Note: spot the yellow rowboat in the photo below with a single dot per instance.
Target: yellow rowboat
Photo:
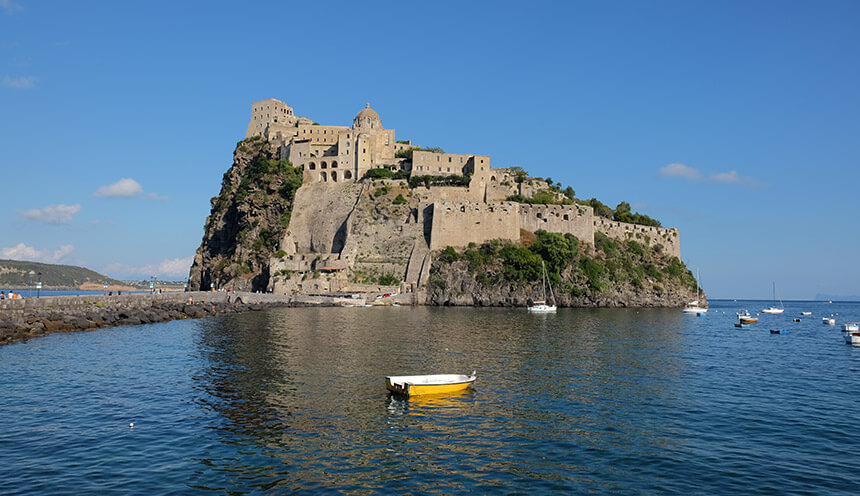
(415, 385)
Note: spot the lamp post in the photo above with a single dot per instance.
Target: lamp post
(39, 286)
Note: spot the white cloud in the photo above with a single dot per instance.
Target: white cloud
(726, 177)
(10, 6)
(24, 252)
(20, 83)
(156, 196)
(681, 170)
(123, 187)
(53, 214)
(693, 174)
(175, 268)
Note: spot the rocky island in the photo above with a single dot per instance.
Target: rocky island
(324, 209)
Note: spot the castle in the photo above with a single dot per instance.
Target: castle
(329, 231)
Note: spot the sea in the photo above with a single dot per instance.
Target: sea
(293, 401)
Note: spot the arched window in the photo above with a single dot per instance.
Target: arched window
(347, 175)
(492, 178)
(312, 166)
(334, 176)
(334, 165)
(322, 165)
(323, 176)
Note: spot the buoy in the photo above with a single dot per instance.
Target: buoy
(131, 425)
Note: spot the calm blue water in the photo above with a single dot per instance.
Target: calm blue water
(293, 401)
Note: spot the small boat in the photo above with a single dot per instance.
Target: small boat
(796, 319)
(828, 321)
(742, 325)
(744, 316)
(852, 338)
(541, 306)
(773, 308)
(693, 306)
(851, 327)
(414, 385)
(779, 331)
(805, 313)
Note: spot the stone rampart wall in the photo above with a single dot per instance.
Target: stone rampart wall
(459, 223)
(652, 236)
(565, 219)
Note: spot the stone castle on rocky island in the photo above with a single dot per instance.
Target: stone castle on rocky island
(333, 231)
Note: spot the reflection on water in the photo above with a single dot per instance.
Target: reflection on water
(294, 400)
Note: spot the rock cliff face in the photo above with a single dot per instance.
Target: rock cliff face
(611, 274)
(247, 219)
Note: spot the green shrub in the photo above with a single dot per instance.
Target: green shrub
(449, 255)
(399, 200)
(388, 280)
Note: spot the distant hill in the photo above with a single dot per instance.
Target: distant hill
(21, 274)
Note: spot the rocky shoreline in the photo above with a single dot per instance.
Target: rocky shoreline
(21, 320)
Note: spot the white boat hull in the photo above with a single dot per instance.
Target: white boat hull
(773, 310)
(696, 310)
(542, 309)
(850, 327)
(852, 338)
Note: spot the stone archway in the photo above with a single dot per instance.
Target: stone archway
(323, 176)
(322, 165)
(334, 176)
(347, 175)
(334, 164)
(312, 166)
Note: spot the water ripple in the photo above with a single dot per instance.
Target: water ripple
(292, 400)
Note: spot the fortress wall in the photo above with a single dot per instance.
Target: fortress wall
(458, 224)
(647, 235)
(449, 194)
(444, 164)
(565, 219)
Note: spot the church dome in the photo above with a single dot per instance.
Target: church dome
(367, 119)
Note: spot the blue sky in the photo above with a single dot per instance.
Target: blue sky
(736, 122)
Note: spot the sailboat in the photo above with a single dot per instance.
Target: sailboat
(693, 306)
(773, 308)
(541, 306)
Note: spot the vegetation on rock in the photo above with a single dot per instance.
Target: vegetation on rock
(247, 219)
(610, 272)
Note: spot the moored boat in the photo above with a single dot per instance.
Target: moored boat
(779, 331)
(851, 327)
(742, 325)
(773, 309)
(745, 317)
(852, 338)
(694, 306)
(805, 313)
(414, 385)
(541, 306)
(828, 321)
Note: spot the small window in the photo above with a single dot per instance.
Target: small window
(449, 160)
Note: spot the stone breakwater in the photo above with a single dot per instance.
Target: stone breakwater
(34, 317)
